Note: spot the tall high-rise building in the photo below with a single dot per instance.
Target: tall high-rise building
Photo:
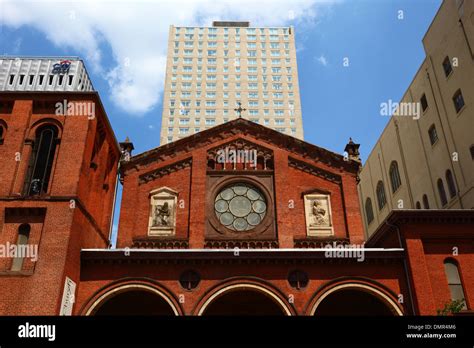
(424, 159)
(212, 71)
(59, 74)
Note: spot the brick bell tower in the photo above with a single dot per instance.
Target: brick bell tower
(57, 187)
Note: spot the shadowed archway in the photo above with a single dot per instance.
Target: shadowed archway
(353, 302)
(134, 302)
(244, 302)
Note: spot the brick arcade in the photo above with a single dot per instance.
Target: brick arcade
(201, 236)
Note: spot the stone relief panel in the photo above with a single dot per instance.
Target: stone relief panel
(318, 215)
(162, 220)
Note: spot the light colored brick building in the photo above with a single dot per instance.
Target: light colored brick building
(425, 159)
(210, 70)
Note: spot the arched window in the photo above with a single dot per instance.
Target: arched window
(451, 184)
(418, 205)
(426, 204)
(381, 199)
(394, 176)
(369, 213)
(23, 236)
(442, 193)
(454, 281)
(41, 160)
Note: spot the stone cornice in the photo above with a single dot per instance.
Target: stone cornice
(397, 218)
(162, 171)
(314, 242)
(230, 256)
(54, 96)
(159, 243)
(44, 199)
(241, 244)
(308, 168)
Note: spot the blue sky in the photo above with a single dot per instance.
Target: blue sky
(338, 102)
(384, 53)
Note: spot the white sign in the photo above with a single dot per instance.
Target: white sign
(68, 297)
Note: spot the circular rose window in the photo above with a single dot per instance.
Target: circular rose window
(240, 207)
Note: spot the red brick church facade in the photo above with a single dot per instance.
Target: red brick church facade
(202, 232)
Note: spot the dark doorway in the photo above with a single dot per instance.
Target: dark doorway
(352, 302)
(136, 302)
(244, 302)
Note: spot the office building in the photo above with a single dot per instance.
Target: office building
(210, 70)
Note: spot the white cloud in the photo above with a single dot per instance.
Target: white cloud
(137, 33)
(322, 60)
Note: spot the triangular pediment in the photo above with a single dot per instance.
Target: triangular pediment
(163, 190)
(248, 129)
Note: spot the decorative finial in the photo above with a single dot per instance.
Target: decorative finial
(352, 150)
(126, 148)
(240, 109)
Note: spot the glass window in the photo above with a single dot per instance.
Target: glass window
(451, 184)
(433, 134)
(423, 102)
(442, 193)
(447, 67)
(394, 176)
(41, 163)
(454, 281)
(458, 100)
(369, 213)
(240, 207)
(381, 198)
(426, 204)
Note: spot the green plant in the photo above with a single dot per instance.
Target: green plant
(452, 307)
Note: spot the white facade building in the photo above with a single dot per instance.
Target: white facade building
(44, 74)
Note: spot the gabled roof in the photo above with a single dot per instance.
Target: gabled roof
(245, 127)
